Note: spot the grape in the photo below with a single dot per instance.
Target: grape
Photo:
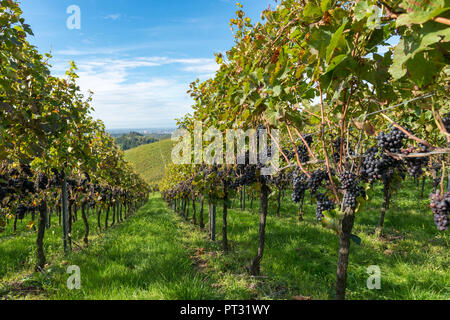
(21, 210)
(16, 183)
(351, 195)
(300, 185)
(376, 167)
(245, 173)
(302, 152)
(370, 162)
(245, 176)
(301, 149)
(415, 166)
(279, 179)
(41, 181)
(392, 141)
(2, 193)
(337, 144)
(56, 180)
(308, 138)
(28, 186)
(348, 180)
(446, 121)
(26, 169)
(440, 205)
(316, 179)
(21, 185)
(323, 204)
(337, 150)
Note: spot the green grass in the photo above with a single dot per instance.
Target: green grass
(300, 257)
(18, 252)
(157, 255)
(142, 258)
(151, 160)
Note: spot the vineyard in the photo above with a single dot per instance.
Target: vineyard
(350, 116)
(57, 165)
(356, 92)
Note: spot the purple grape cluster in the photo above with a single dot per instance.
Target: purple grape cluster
(446, 121)
(377, 167)
(21, 210)
(348, 180)
(316, 179)
(41, 182)
(415, 166)
(300, 185)
(323, 204)
(21, 185)
(351, 196)
(302, 150)
(440, 205)
(392, 141)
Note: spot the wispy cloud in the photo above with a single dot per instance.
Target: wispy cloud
(122, 101)
(114, 17)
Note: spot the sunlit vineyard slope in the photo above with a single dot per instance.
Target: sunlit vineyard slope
(150, 160)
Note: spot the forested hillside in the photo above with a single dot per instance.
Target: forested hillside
(133, 140)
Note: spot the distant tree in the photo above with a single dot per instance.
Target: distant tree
(133, 140)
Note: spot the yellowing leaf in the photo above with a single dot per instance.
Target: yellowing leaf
(30, 225)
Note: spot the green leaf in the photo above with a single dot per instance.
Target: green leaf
(361, 9)
(331, 221)
(27, 29)
(419, 12)
(246, 114)
(336, 61)
(356, 239)
(277, 91)
(361, 204)
(312, 10)
(335, 39)
(325, 5)
(413, 47)
(260, 74)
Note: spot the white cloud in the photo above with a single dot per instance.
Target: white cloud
(114, 17)
(121, 101)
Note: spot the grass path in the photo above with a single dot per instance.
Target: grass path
(143, 258)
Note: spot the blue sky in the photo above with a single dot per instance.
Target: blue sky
(138, 56)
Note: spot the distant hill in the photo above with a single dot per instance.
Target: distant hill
(146, 132)
(135, 139)
(150, 160)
